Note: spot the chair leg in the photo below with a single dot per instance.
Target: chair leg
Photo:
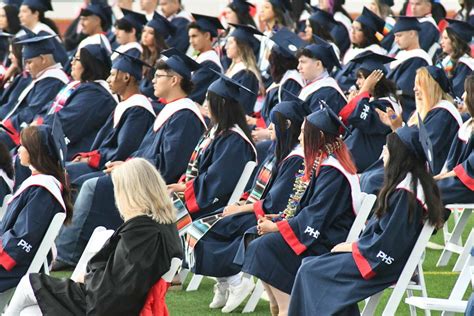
(371, 304)
(465, 253)
(455, 237)
(194, 283)
(254, 298)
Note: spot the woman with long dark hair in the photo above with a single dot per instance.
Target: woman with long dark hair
(153, 41)
(272, 187)
(355, 271)
(34, 204)
(9, 23)
(238, 12)
(375, 92)
(456, 183)
(221, 154)
(456, 58)
(318, 215)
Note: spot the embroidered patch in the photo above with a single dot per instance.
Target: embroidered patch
(312, 232)
(385, 258)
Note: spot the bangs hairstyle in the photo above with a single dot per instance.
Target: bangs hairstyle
(139, 188)
(93, 69)
(44, 163)
(401, 161)
(279, 64)
(469, 88)
(314, 148)
(186, 85)
(126, 26)
(432, 92)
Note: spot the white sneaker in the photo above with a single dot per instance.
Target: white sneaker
(237, 294)
(221, 292)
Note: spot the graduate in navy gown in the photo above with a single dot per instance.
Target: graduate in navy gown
(314, 221)
(202, 32)
(88, 99)
(154, 34)
(333, 284)
(215, 251)
(168, 145)
(221, 154)
(439, 115)
(456, 58)
(456, 181)
(315, 62)
(33, 206)
(128, 32)
(375, 92)
(125, 128)
(243, 68)
(428, 25)
(408, 60)
(363, 38)
(48, 78)
(174, 12)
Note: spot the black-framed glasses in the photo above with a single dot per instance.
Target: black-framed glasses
(159, 76)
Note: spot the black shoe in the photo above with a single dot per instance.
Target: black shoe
(61, 266)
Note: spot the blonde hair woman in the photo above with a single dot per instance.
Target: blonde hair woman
(135, 257)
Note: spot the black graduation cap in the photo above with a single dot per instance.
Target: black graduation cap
(13, 3)
(100, 9)
(371, 61)
(229, 88)
(406, 23)
(462, 29)
(426, 142)
(323, 18)
(180, 62)
(440, 77)
(390, 3)
(36, 45)
(245, 33)
(40, 5)
(129, 63)
(161, 25)
(241, 6)
(53, 138)
(371, 20)
(99, 52)
(287, 42)
(410, 136)
(323, 51)
(208, 23)
(325, 121)
(137, 20)
(284, 5)
(294, 110)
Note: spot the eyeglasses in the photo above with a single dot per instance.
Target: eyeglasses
(159, 76)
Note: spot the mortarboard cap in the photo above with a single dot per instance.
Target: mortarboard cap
(406, 23)
(52, 137)
(241, 6)
(161, 25)
(40, 5)
(129, 63)
(410, 136)
(137, 20)
(389, 3)
(323, 51)
(100, 9)
(284, 5)
(99, 52)
(426, 142)
(33, 46)
(326, 120)
(440, 77)
(371, 20)
(180, 63)
(323, 18)
(293, 110)
(228, 88)
(245, 33)
(208, 23)
(371, 61)
(13, 3)
(287, 42)
(462, 29)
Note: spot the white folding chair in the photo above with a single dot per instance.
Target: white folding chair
(236, 194)
(40, 258)
(3, 208)
(99, 237)
(367, 202)
(455, 302)
(403, 283)
(453, 244)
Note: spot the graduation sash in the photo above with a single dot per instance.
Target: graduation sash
(261, 182)
(448, 106)
(318, 84)
(173, 107)
(354, 52)
(134, 100)
(446, 64)
(406, 185)
(192, 169)
(96, 39)
(62, 96)
(404, 55)
(465, 131)
(468, 61)
(293, 75)
(210, 55)
(126, 47)
(53, 72)
(48, 182)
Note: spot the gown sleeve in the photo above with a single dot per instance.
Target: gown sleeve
(457, 80)
(465, 172)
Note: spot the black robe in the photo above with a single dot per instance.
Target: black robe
(118, 277)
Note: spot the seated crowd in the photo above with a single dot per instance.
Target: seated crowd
(132, 118)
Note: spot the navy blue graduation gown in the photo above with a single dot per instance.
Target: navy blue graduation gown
(146, 87)
(35, 103)
(220, 166)
(202, 79)
(90, 104)
(404, 77)
(215, 251)
(460, 188)
(341, 37)
(22, 229)
(250, 81)
(429, 34)
(368, 132)
(376, 262)
(461, 71)
(180, 39)
(11, 93)
(328, 92)
(322, 220)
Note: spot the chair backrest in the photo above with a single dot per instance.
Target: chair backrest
(96, 242)
(175, 264)
(47, 243)
(4, 206)
(244, 179)
(368, 201)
